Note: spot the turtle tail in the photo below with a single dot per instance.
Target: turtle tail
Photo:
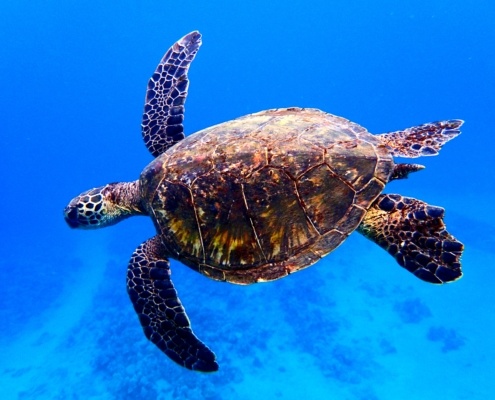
(414, 233)
(422, 140)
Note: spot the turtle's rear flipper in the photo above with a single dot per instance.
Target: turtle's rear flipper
(422, 140)
(160, 311)
(414, 233)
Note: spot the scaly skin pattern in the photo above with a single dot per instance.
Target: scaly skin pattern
(413, 232)
(262, 196)
(166, 94)
(104, 205)
(160, 311)
(421, 140)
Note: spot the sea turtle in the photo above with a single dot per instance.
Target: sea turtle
(260, 197)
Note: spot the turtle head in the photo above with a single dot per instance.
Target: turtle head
(104, 206)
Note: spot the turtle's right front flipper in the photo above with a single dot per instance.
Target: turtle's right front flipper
(414, 233)
(160, 311)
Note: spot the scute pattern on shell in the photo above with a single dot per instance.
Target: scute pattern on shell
(267, 194)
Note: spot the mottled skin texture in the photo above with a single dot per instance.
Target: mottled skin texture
(260, 197)
(166, 94)
(421, 140)
(413, 232)
(105, 205)
(161, 314)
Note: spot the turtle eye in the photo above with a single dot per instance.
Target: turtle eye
(71, 215)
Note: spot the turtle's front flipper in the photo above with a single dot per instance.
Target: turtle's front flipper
(414, 233)
(422, 140)
(167, 90)
(160, 311)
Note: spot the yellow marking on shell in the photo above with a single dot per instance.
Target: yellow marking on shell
(276, 245)
(183, 236)
(225, 243)
(297, 237)
(197, 248)
(294, 235)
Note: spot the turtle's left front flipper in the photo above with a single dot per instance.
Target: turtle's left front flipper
(160, 311)
(166, 94)
(414, 233)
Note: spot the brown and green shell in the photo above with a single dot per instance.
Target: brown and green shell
(265, 195)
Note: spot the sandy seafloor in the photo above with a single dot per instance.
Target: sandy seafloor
(355, 325)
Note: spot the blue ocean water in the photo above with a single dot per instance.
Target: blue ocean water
(353, 326)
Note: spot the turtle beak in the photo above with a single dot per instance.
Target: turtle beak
(70, 214)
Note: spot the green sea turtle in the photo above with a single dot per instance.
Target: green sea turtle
(260, 197)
